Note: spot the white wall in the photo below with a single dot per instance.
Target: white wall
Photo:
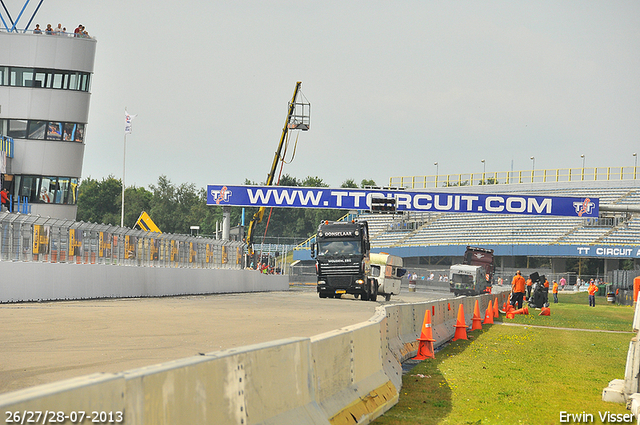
(47, 282)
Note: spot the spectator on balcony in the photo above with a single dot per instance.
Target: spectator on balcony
(58, 30)
(48, 30)
(37, 29)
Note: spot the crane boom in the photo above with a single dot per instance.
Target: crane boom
(289, 124)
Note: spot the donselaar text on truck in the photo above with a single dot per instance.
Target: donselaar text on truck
(345, 265)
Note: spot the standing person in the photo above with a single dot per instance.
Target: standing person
(555, 292)
(546, 292)
(563, 282)
(529, 285)
(592, 290)
(517, 290)
(4, 199)
(58, 30)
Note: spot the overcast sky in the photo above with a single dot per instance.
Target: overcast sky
(394, 86)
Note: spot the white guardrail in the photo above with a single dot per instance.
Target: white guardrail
(627, 390)
(348, 376)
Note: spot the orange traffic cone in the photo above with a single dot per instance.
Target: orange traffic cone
(488, 315)
(546, 311)
(496, 312)
(461, 327)
(510, 308)
(510, 315)
(523, 310)
(425, 347)
(476, 319)
(504, 306)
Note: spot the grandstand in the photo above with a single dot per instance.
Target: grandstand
(613, 236)
(432, 240)
(426, 229)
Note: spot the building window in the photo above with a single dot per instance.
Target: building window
(41, 130)
(54, 131)
(37, 130)
(27, 187)
(44, 78)
(17, 129)
(47, 190)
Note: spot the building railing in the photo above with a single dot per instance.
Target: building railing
(517, 177)
(6, 145)
(44, 32)
(50, 240)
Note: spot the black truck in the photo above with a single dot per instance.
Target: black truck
(342, 252)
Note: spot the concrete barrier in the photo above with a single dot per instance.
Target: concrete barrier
(35, 281)
(627, 390)
(348, 376)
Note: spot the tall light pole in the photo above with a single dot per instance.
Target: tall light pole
(484, 167)
(635, 164)
(583, 158)
(533, 159)
(436, 164)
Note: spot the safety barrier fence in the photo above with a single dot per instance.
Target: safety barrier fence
(517, 177)
(32, 238)
(627, 390)
(350, 375)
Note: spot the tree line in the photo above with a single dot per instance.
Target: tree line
(175, 208)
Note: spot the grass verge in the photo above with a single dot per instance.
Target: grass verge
(522, 374)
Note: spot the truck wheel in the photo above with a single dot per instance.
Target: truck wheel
(365, 292)
(322, 294)
(374, 291)
(356, 296)
(387, 297)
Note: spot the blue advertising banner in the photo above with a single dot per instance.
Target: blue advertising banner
(360, 199)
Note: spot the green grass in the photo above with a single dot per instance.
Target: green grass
(521, 374)
(573, 311)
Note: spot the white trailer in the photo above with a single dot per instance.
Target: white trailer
(387, 271)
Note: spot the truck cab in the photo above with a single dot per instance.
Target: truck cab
(475, 275)
(465, 279)
(342, 251)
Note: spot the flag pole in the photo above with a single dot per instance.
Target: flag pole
(124, 157)
(127, 129)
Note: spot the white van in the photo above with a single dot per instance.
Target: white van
(387, 271)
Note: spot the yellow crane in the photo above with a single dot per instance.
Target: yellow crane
(298, 114)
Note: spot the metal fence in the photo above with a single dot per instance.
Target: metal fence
(52, 240)
(517, 177)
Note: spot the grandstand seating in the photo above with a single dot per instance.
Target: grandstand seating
(501, 229)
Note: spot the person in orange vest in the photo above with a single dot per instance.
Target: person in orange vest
(529, 285)
(555, 292)
(517, 290)
(546, 292)
(592, 289)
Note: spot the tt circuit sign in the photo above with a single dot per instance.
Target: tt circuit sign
(356, 199)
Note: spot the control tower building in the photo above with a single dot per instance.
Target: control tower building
(45, 89)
